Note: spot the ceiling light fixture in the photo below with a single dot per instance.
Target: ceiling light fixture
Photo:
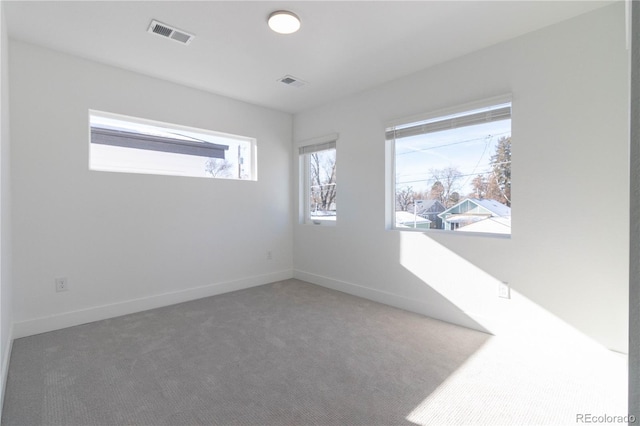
(284, 22)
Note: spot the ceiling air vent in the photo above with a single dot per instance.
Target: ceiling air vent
(170, 32)
(292, 81)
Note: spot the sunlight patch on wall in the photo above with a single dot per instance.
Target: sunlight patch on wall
(475, 292)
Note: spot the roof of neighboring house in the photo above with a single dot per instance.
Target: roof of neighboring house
(493, 206)
(482, 207)
(408, 217)
(493, 225)
(427, 204)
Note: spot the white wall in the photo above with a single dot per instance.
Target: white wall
(128, 242)
(6, 308)
(567, 260)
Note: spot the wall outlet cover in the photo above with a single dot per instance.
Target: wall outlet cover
(504, 291)
(62, 284)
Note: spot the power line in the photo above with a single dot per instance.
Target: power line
(486, 145)
(451, 144)
(435, 180)
(462, 175)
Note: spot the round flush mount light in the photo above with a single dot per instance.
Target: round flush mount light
(284, 22)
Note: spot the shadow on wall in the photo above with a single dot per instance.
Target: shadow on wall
(474, 293)
(368, 262)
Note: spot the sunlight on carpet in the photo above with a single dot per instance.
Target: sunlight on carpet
(512, 380)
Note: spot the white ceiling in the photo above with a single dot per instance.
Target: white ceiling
(342, 47)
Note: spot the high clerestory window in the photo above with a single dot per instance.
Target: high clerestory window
(452, 171)
(134, 145)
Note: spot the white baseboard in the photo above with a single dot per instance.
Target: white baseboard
(6, 356)
(432, 310)
(97, 313)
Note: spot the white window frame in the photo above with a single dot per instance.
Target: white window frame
(171, 127)
(390, 163)
(303, 150)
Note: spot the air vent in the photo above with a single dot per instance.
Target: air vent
(292, 81)
(170, 32)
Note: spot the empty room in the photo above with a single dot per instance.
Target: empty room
(319, 213)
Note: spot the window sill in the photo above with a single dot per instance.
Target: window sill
(456, 234)
(319, 223)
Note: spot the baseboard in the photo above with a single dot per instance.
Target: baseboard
(431, 310)
(6, 357)
(97, 313)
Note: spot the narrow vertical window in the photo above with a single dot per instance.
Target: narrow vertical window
(318, 180)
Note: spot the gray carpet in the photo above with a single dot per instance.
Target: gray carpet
(287, 353)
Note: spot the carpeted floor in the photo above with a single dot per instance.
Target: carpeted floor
(288, 353)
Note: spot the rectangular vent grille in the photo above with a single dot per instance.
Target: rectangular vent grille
(162, 30)
(170, 32)
(292, 81)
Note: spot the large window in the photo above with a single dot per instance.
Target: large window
(318, 180)
(452, 171)
(126, 144)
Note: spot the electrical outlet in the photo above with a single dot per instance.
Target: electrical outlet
(269, 255)
(62, 284)
(504, 291)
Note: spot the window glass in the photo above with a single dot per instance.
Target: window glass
(318, 183)
(322, 185)
(126, 144)
(453, 172)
